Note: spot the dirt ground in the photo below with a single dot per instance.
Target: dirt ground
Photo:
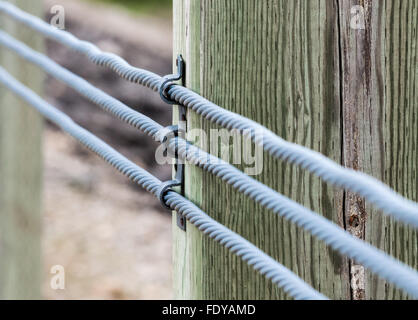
(112, 238)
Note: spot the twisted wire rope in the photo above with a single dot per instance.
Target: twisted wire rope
(372, 258)
(264, 264)
(368, 187)
(377, 261)
(110, 60)
(95, 95)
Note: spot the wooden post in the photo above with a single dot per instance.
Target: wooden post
(379, 43)
(20, 172)
(309, 71)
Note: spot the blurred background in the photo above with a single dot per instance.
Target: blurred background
(112, 238)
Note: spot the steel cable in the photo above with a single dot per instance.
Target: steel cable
(337, 238)
(110, 60)
(95, 95)
(370, 188)
(271, 269)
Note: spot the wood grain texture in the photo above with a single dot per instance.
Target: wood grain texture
(274, 62)
(20, 173)
(187, 246)
(379, 91)
(300, 69)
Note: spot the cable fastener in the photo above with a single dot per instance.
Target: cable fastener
(179, 177)
(169, 79)
(165, 187)
(167, 82)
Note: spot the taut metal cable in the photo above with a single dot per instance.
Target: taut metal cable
(271, 269)
(370, 188)
(97, 96)
(372, 258)
(337, 238)
(116, 63)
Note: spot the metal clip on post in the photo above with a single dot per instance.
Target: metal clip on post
(169, 79)
(167, 82)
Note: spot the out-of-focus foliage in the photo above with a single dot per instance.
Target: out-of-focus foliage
(154, 7)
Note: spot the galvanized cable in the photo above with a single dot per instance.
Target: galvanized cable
(370, 188)
(271, 269)
(377, 261)
(370, 257)
(267, 266)
(95, 95)
(112, 61)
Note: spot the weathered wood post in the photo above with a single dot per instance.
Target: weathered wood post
(379, 65)
(20, 172)
(339, 77)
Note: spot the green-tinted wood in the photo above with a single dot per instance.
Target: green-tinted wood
(302, 70)
(187, 246)
(275, 62)
(20, 172)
